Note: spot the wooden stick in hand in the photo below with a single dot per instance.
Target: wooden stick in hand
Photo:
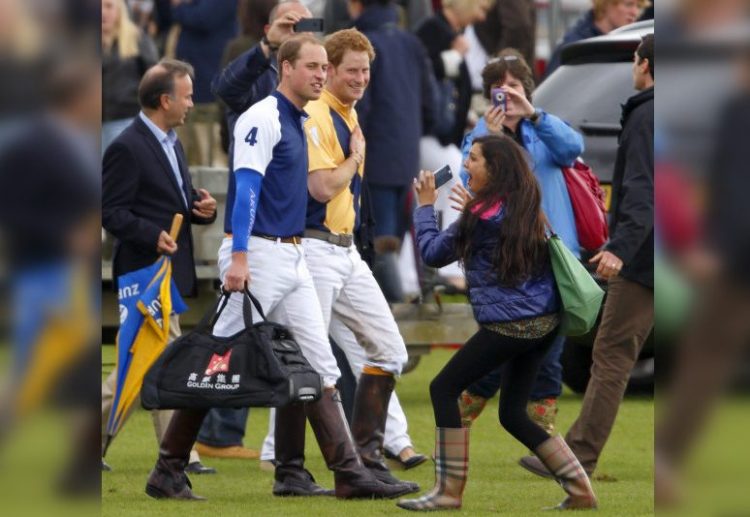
(174, 231)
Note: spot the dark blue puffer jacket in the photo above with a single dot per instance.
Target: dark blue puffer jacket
(492, 302)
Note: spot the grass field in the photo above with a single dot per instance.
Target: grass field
(497, 485)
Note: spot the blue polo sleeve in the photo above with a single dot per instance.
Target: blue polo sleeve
(248, 183)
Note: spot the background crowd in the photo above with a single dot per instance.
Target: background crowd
(459, 38)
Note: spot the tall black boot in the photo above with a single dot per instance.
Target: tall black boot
(368, 425)
(291, 477)
(352, 479)
(168, 479)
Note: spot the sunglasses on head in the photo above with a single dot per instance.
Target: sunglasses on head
(502, 58)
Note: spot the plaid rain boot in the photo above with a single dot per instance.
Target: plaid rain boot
(567, 470)
(470, 406)
(451, 467)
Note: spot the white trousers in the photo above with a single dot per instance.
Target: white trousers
(396, 428)
(281, 281)
(347, 290)
(360, 321)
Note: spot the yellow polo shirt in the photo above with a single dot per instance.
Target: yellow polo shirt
(329, 131)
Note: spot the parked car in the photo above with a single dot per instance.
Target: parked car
(587, 91)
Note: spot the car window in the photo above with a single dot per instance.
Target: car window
(587, 93)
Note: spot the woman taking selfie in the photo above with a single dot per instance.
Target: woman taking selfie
(500, 240)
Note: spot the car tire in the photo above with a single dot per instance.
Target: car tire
(576, 366)
(576, 370)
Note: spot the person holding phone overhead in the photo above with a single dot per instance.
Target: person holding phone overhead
(550, 144)
(501, 241)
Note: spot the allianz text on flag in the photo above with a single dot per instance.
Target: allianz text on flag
(147, 298)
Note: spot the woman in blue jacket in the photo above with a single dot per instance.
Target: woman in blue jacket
(500, 240)
(550, 144)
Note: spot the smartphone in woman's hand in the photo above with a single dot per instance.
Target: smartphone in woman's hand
(443, 176)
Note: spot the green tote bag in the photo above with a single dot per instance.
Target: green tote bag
(581, 296)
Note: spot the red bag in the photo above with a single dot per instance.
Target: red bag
(588, 200)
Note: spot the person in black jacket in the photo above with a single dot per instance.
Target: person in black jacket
(627, 263)
(145, 182)
(393, 115)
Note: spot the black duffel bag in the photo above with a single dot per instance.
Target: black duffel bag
(260, 366)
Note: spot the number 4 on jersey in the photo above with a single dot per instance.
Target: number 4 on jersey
(252, 136)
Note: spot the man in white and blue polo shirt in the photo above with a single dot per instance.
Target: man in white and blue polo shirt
(268, 217)
(264, 252)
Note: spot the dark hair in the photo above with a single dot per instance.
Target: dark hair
(646, 51)
(521, 251)
(507, 60)
(253, 16)
(159, 80)
(289, 50)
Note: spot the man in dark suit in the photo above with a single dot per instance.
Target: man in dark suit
(145, 182)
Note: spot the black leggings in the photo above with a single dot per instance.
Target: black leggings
(482, 353)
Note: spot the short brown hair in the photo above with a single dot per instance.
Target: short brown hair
(646, 51)
(347, 39)
(159, 80)
(601, 5)
(508, 60)
(289, 50)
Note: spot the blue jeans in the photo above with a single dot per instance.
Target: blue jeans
(548, 383)
(389, 210)
(223, 427)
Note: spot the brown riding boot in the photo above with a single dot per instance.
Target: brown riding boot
(168, 479)
(368, 423)
(352, 479)
(291, 477)
(470, 406)
(560, 460)
(451, 468)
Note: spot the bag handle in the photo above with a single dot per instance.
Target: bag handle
(547, 227)
(207, 323)
(247, 312)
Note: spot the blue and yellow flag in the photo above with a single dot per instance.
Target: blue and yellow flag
(53, 326)
(147, 298)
